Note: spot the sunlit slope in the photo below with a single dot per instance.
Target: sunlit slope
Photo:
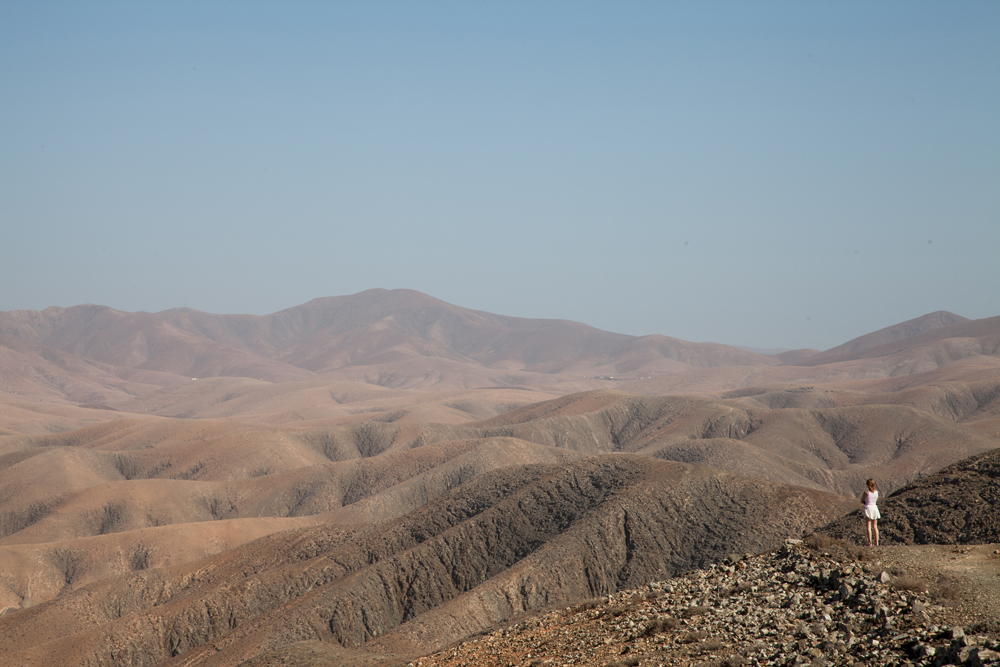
(830, 448)
(509, 540)
(220, 469)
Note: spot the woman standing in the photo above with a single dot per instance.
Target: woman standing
(872, 515)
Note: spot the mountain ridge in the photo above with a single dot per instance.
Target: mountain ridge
(405, 338)
(384, 473)
(331, 333)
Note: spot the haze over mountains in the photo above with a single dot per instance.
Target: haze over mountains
(384, 473)
(383, 342)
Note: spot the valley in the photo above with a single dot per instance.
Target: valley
(374, 478)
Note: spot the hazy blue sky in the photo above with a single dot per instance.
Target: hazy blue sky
(770, 174)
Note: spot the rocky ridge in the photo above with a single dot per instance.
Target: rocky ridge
(802, 604)
(954, 506)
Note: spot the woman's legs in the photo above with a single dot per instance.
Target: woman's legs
(869, 522)
(874, 525)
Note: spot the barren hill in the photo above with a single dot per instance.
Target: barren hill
(408, 341)
(374, 329)
(399, 339)
(373, 476)
(957, 505)
(893, 334)
(149, 476)
(784, 607)
(511, 540)
(923, 331)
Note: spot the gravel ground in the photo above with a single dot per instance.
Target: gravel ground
(820, 603)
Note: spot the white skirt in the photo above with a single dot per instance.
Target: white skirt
(872, 513)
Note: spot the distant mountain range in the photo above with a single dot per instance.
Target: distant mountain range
(400, 338)
(362, 480)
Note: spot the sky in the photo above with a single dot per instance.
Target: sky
(764, 174)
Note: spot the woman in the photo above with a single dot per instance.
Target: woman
(872, 515)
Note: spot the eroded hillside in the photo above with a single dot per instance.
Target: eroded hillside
(362, 480)
(507, 541)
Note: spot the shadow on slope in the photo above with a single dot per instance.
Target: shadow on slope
(79, 538)
(505, 542)
(957, 505)
(832, 448)
(219, 470)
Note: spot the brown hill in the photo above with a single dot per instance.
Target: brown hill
(405, 340)
(505, 542)
(752, 610)
(322, 402)
(935, 328)
(957, 505)
(121, 516)
(379, 330)
(802, 438)
(131, 475)
(819, 446)
(893, 334)
(139, 340)
(33, 370)
(380, 474)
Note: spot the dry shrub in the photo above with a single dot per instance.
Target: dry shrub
(822, 542)
(141, 557)
(912, 584)
(741, 587)
(713, 645)
(985, 627)
(586, 605)
(692, 637)
(694, 611)
(615, 611)
(731, 661)
(661, 625)
(631, 662)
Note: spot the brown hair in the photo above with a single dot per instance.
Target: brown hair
(871, 484)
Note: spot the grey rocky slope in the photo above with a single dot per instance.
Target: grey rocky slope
(798, 605)
(506, 542)
(958, 505)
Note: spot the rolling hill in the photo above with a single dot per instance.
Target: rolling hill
(507, 541)
(366, 479)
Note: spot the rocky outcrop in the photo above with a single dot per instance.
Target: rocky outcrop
(509, 541)
(791, 607)
(957, 505)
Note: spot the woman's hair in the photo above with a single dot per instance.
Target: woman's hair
(871, 484)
